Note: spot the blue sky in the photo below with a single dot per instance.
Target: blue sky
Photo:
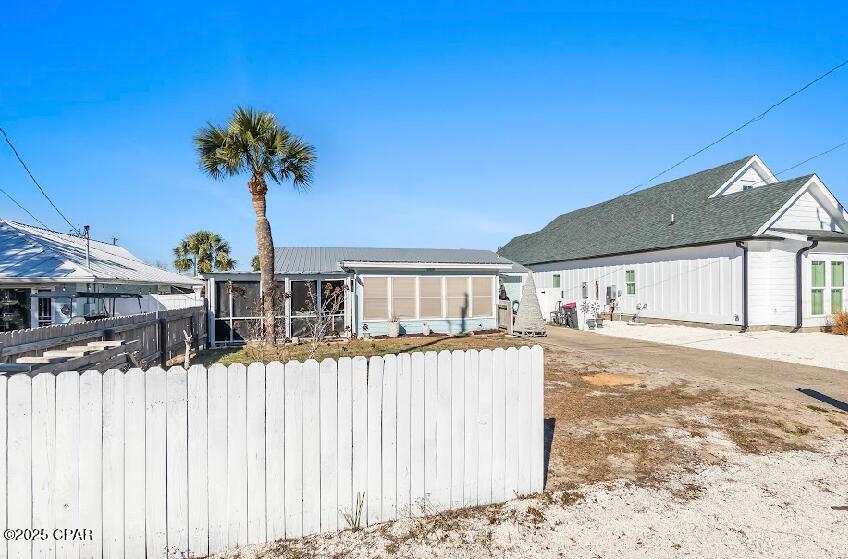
(436, 124)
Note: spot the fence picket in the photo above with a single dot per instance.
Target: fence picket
(20, 462)
(404, 433)
(236, 455)
(134, 462)
(524, 434)
(294, 449)
(328, 432)
(155, 396)
(389, 438)
(177, 462)
(375, 407)
(43, 459)
(416, 433)
(311, 448)
(176, 410)
(511, 424)
(359, 435)
(537, 419)
(275, 440)
(344, 448)
(217, 450)
(457, 473)
(256, 513)
(114, 446)
(472, 443)
(442, 490)
(484, 429)
(198, 503)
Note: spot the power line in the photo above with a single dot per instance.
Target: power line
(8, 141)
(834, 148)
(18, 204)
(739, 128)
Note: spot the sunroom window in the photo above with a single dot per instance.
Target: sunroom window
(837, 284)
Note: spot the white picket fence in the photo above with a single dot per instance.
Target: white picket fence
(156, 463)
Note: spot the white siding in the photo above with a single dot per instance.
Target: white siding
(771, 282)
(807, 212)
(697, 284)
(749, 178)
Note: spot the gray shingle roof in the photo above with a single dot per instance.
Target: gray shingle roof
(642, 221)
(325, 260)
(33, 253)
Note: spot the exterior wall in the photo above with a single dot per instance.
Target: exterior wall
(697, 284)
(807, 213)
(771, 282)
(749, 178)
(444, 325)
(828, 252)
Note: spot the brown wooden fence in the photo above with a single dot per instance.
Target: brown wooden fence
(153, 338)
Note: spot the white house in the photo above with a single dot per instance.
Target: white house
(51, 278)
(450, 290)
(731, 245)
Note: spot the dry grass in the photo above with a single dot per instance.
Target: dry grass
(840, 323)
(354, 347)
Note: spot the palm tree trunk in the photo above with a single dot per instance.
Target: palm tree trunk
(265, 246)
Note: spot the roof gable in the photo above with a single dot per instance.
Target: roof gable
(643, 221)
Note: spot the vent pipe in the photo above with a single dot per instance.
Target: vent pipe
(672, 220)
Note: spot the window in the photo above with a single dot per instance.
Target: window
(630, 281)
(403, 298)
(481, 297)
(837, 282)
(375, 298)
(430, 297)
(817, 280)
(457, 297)
(45, 311)
(556, 280)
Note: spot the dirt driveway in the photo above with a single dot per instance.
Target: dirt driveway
(798, 382)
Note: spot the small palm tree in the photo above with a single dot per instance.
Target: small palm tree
(254, 143)
(204, 252)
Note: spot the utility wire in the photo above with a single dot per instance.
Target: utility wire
(834, 148)
(739, 128)
(18, 204)
(8, 141)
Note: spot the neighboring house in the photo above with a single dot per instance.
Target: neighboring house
(50, 278)
(730, 245)
(451, 290)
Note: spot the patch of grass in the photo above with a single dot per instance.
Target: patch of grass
(355, 347)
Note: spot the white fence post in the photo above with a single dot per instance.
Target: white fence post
(192, 462)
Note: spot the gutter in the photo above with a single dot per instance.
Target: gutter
(799, 288)
(744, 248)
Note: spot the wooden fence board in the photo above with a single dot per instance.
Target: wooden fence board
(328, 434)
(524, 420)
(311, 448)
(236, 455)
(457, 421)
(67, 458)
(442, 491)
(471, 441)
(134, 462)
(155, 394)
(217, 451)
(499, 417)
(275, 441)
(388, 429)
(359, 434)
(43, 460)
(344, 449)
(19, 500)
(375, 406)
(294, 449)
(484, 429)
(198, 460)
(403, 435)
(416, 434)
(114, 446)
(176, 382)
(256, 459)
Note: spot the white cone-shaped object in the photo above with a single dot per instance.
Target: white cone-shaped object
(529, 321)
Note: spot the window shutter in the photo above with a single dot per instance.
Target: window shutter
(403, 298)
(375, 298)
(430, 297)
(481, 301)
(458, 298)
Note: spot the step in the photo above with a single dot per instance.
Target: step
(63, 353)
(41, 360)
(83, 349)
(104, 344)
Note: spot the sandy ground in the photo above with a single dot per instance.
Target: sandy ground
(789, 504)
(646, 462)
(810, 348)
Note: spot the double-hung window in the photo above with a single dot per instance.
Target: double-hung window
(630, 281)
(837, 283)
(557, 280)
(817, 281)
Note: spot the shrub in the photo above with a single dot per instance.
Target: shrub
(840, 323)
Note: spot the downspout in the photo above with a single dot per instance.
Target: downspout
(799, 287)
(744, 248)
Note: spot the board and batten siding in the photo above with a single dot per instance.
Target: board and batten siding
(696, 284)
(183, 463)
(771, 282)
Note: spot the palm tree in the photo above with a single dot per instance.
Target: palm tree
(203, 251)
(254, 263)
(253, 142)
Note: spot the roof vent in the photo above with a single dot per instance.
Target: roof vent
(672, 220)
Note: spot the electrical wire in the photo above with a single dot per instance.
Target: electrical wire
(834, 148)
(11, 145)
(741, 127)
(18, 204)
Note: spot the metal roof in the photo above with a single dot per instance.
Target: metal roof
(641, 221)
(326, 260)
(30, 253)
